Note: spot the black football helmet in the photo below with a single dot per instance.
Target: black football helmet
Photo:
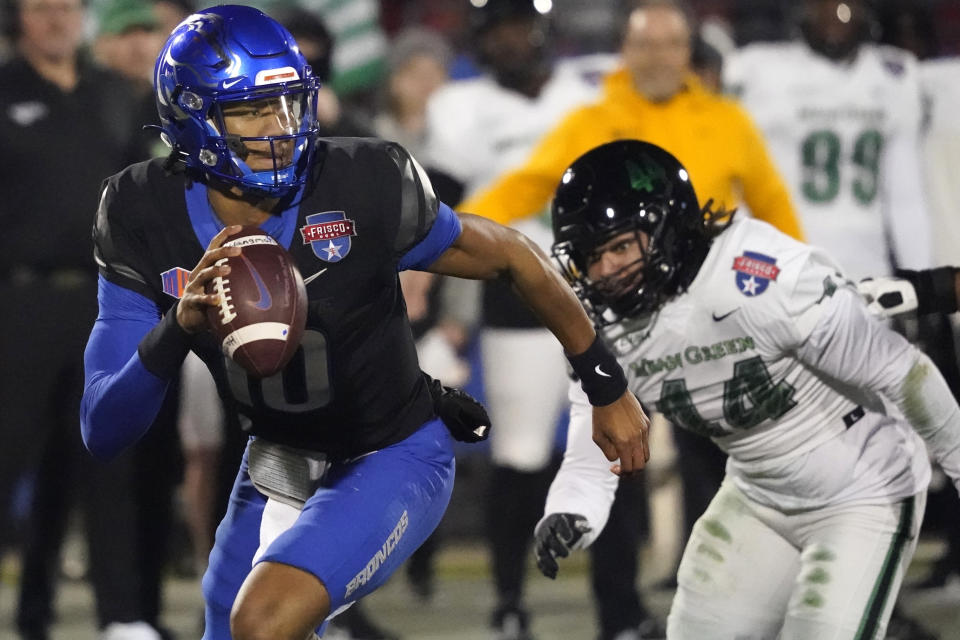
(622, 186)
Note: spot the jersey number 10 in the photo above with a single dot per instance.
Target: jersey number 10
(302, 386)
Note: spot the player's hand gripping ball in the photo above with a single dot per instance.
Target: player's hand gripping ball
(263, 304)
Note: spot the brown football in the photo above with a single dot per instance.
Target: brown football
(263, 304)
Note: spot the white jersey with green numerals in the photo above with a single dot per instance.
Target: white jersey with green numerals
(773, 355)
(477, 130)
(845, 138)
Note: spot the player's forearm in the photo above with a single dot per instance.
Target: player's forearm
(485, 250)
(552, 300)
(542, 287)
(121, 398)
(584, 484)
(118, 409)
(926, 401)
(850, 346)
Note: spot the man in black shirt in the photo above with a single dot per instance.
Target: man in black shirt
(349, 469)
(64, 125)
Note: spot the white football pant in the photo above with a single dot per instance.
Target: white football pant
(525, 380)
(754, 573)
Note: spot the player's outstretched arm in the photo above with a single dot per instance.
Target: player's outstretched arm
(486, 250)
(849, 346)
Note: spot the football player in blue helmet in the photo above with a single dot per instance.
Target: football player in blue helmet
(350, 466)
(237, 100)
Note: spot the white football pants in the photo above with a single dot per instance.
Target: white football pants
(525, 381)
(754, 573)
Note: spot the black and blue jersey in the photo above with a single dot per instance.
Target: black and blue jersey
(367, 212)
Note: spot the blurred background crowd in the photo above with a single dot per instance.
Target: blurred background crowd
(483, 93)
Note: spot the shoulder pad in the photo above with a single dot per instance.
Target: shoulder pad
(418, 202)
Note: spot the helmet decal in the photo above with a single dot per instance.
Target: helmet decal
(200, 32)
(271, 76)
(643, 178)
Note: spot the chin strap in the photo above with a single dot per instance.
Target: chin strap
(175, 163)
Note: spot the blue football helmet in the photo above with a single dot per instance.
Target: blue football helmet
(237, 100)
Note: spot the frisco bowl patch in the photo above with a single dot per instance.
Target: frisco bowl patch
(329, 234)
(755, 271)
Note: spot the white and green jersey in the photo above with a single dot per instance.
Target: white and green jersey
(477, 130)
(845, 138)
(940, 79)
(772, 354)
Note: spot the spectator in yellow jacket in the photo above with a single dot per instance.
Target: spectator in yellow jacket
(654, 97)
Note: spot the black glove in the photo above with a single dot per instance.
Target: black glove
(554, 538)
(464, 417)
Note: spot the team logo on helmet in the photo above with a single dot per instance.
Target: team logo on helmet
(755, 271)
(646, 176)
(174, 281)
(329, 234)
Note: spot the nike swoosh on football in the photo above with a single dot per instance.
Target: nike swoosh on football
(728, 313)
(310, 279)
(601, 372)
(265, 301)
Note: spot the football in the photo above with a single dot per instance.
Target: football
(263, 304)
